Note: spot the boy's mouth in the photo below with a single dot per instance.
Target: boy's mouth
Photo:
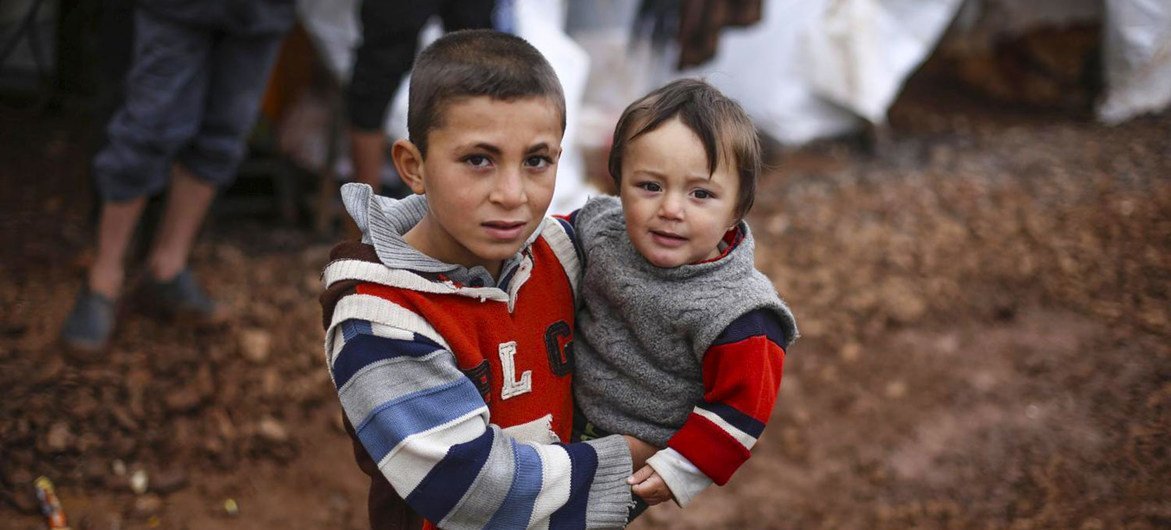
(505, 230)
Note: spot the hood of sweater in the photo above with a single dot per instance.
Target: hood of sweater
(383, 221)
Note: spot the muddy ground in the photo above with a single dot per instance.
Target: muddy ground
(985, 302)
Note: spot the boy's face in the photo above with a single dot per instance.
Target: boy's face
(488, 176)
(675, 214)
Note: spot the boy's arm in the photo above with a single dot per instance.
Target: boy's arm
(426, 426)
(741, 377)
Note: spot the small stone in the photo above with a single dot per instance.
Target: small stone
(231, 507)
(60, 437)
(94, 472)
(123, 418)
(224, 423)
(139, 481)
(184, 399)
(270, 382)
(120, 444)
(255, 344)
(896, 389)
(851, 351)
(168, 481)
(146, 505)
(205, 381)
(272, 430)
(136, 382)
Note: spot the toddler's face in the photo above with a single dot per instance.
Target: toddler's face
(675, 213)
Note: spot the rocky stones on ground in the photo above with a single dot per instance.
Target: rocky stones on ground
(255, 345)
(272, 430)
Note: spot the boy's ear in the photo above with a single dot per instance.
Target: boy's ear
(409, 163)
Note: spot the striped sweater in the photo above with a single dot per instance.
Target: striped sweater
(460, 394)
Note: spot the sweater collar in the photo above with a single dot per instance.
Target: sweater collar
(384, 220)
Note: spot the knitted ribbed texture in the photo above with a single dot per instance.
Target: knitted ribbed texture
(609, 493)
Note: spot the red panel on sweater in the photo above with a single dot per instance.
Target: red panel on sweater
(715, 452)
(745, 375)
(475, 330)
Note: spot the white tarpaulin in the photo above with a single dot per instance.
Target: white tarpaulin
(763, 67)
(813, 68)
(1137, 58)
(859, 52)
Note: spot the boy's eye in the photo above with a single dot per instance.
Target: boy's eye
(649, 186)
(703, 194)
(477, 161)
(538, 162)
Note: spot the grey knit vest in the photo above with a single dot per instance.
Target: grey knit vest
(642, 330)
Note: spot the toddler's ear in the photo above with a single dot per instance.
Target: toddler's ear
(409, 163)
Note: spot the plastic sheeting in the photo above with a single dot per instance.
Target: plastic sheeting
(862, 51)
(816, 68)
(1137, 58)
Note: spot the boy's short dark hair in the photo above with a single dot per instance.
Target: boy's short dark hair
(470, 63)
(724, 129)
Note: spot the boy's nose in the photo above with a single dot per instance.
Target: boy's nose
(509, 189)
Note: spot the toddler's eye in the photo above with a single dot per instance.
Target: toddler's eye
(704, 194)
(649, 186)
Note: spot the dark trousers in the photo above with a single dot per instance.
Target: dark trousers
(191, 96)
(390, 40)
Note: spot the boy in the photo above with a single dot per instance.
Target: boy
(457, 309)
(681, 340)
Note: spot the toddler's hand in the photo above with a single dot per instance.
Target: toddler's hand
(650, 486)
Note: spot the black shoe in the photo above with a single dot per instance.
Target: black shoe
(90, 324)
(181, 298)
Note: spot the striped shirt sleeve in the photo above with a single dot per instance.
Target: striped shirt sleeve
(427, 427)
(741, 378)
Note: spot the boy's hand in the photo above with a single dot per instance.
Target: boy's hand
(647, 483)
(639, 451)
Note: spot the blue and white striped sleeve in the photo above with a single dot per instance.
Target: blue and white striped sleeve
(427, 427)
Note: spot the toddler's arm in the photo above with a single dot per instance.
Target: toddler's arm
(741, 377)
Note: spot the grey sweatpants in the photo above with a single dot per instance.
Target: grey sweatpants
(192, 94)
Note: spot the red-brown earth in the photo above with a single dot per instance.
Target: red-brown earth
(985, 304)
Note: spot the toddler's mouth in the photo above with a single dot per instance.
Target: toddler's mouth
(669, 239)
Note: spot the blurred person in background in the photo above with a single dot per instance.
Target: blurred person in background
(390, 40)
(191, 96)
